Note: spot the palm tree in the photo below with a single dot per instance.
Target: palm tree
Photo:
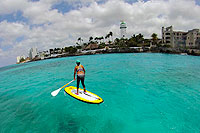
(80, 39)
(101, 38)
(139, 38)
(90, 39)
(154, 38)
(111, 34)
(106, 37)
(96, 39)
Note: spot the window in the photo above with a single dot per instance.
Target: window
(167, 41)
(167, 33)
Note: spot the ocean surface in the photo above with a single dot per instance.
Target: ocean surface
(144, 92)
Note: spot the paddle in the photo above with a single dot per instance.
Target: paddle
(54, 93)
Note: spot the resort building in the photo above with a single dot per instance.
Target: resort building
(123, 29)
(33, 53)
(43, 54)
(92, 46)
(190, 39)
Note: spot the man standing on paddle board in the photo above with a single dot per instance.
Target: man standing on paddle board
(80, 75)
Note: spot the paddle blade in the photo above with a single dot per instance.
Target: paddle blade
(54, 93)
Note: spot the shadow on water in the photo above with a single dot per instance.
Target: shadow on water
(88, 124)
(25, 112)
(68, 124)
(112, 126)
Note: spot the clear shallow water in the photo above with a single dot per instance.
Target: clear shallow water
(142, 93)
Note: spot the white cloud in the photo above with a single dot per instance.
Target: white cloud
(10, 6)
(49, 28)
(11, 31)
(40, 12)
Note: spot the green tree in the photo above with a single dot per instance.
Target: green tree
(106, 37)
(154, 38)
(111, 34)
(117, 40)
(51, 51)
(101, 38)
(90, 39)
(78, 47)
(121, 43)
(102, 45)
(132, 42)
(22, 59)
(135, 40)
(139, 38)
(85, 44)
(80, 40)
(71, 49)
(96, 39)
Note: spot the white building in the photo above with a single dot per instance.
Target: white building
(41, 55)
(190, 39)
(20, 57)
(33, 52)
(44, 54)
(123, 29)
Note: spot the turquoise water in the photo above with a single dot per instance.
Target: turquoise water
(142, 93)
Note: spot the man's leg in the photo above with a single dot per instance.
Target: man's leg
(82, 82)
(78, 81)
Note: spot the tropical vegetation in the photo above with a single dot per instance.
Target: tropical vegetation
(136, 40)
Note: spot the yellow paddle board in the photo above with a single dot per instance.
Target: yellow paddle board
(87, 96)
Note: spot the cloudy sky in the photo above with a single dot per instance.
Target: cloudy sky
(57, 23)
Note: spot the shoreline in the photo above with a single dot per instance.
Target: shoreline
(179, 51)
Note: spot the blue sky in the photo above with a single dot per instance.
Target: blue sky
(48, 24)
(197, 2)
(13, 17)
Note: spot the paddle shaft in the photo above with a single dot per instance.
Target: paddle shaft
(66, 84)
